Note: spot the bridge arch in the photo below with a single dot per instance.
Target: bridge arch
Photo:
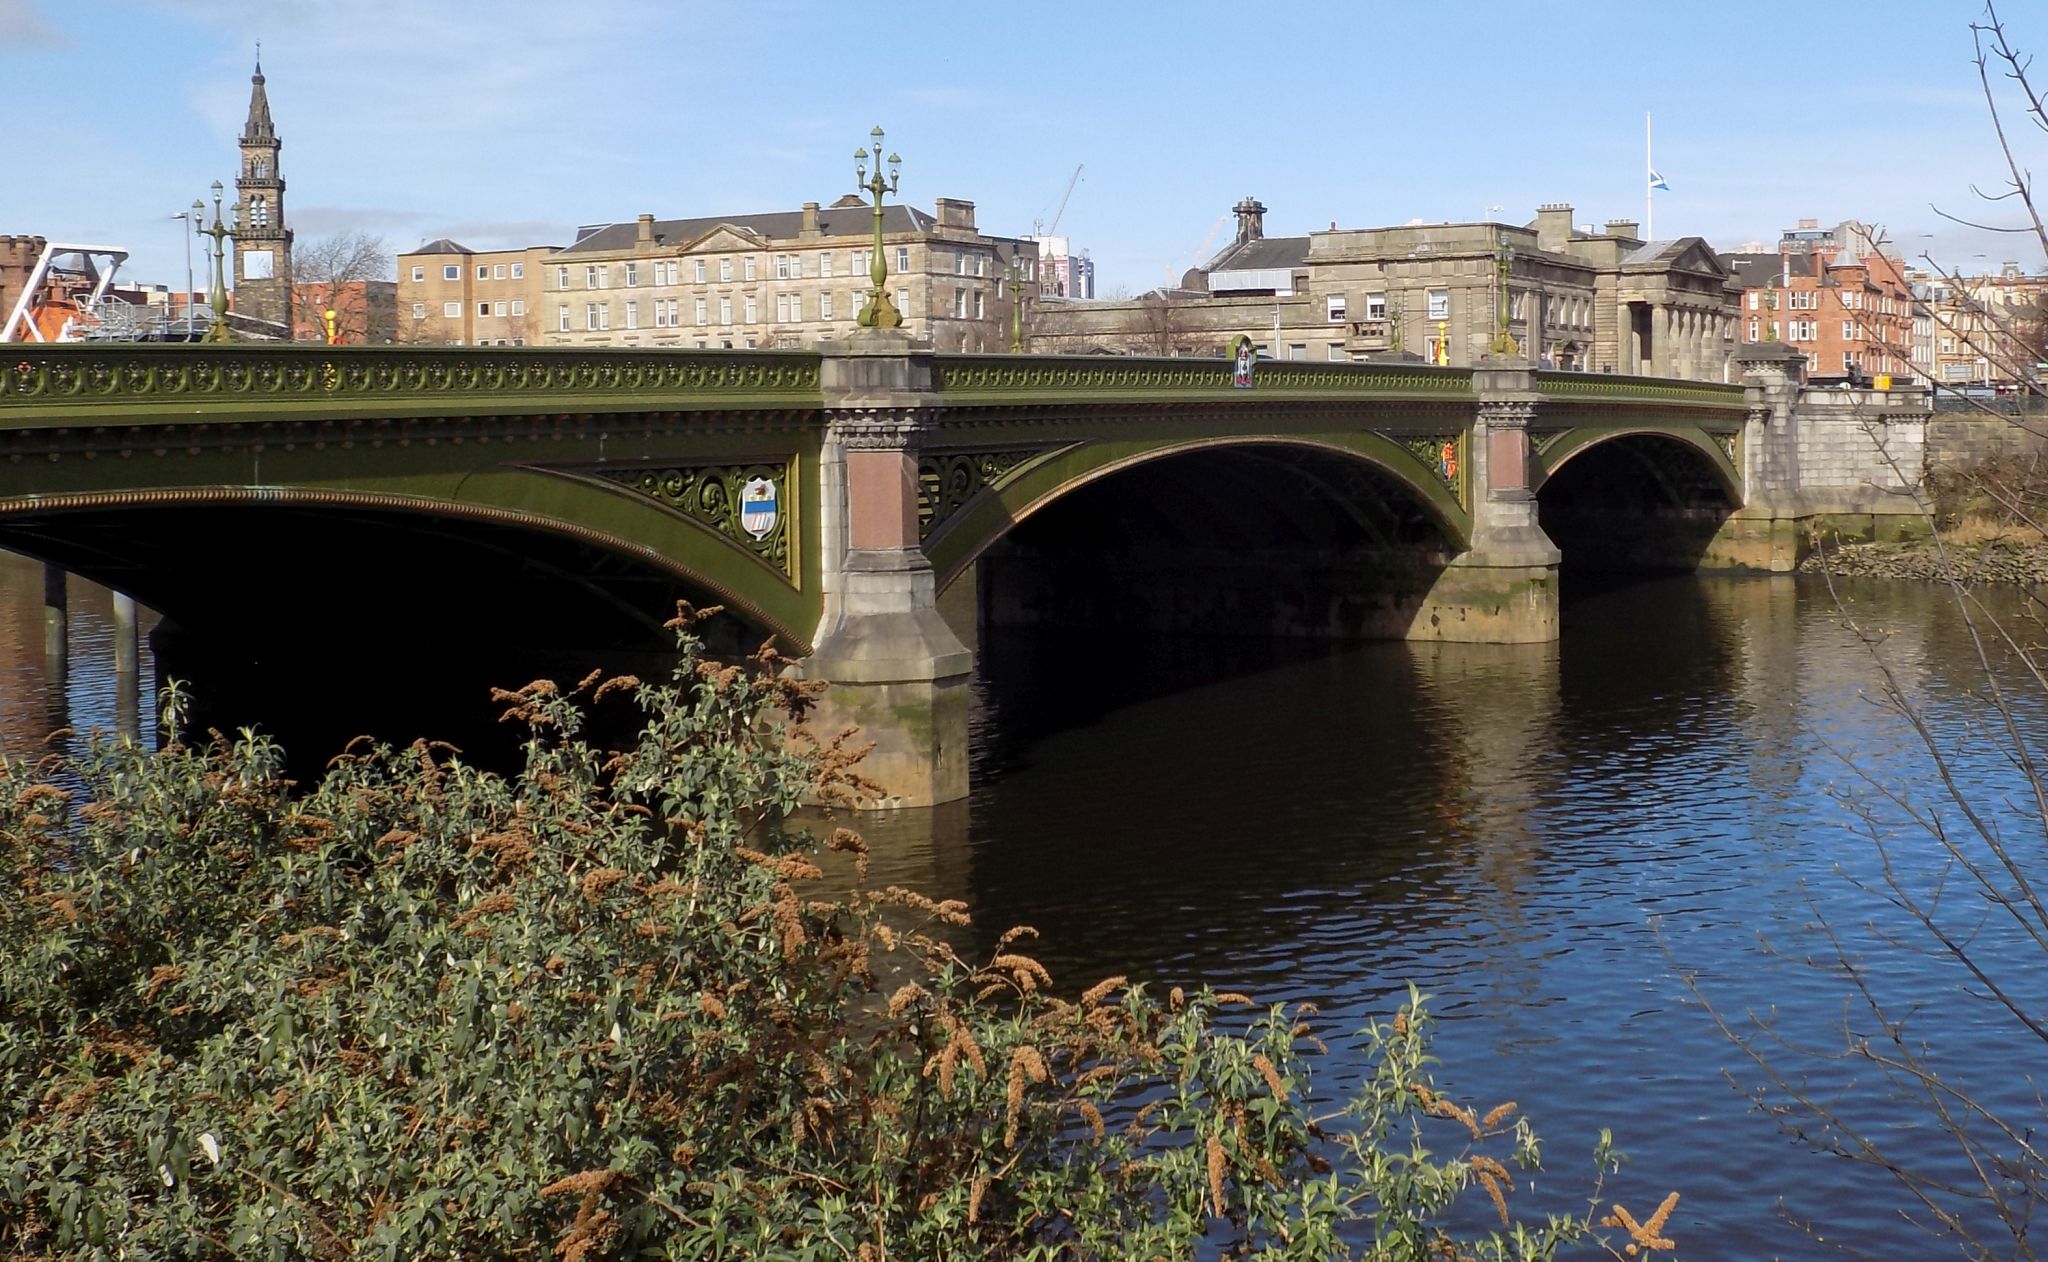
(1049, 478)
(1313, 536)
(1646, 499)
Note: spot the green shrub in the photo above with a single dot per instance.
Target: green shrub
(601, 1010)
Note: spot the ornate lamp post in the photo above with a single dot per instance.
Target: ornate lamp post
(1504, 262)
(1016, 307)
(880, 313)
(218, 296)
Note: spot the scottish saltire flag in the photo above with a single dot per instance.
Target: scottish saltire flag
(1657, 181)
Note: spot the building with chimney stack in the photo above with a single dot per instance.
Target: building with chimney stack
(782, 279)
(1574, 298)
(1832, 294)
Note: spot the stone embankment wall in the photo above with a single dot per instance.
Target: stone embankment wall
(1962, 439)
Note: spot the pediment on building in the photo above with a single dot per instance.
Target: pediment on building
(725, 236)
(1686, 254)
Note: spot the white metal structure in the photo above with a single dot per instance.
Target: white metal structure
(20, 328)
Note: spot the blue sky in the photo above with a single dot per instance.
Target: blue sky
(508, 122)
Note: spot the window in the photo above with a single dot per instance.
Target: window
(782, 267)
(590, 274)
(419, 311)
(981, 265)
(748, 263)
(660, 314)
(1850, 363)
(1439, 304)
(1753, 322)
(796, 308)
(1849, 331)
(959, 264)
(753, 310)
(451, 311)
(856, 262)
(825, 265)
(1948, 346)
(483, 308)
(1852, 300)
(903, 301)
(451, 272)
(902, 258)
(724, 271)
(675, 317)
(960, 303)
(1807, 301)
(782, 308)
(590, 310)
(632, 275)
(483, 271)
(562, 320)
(519, 306)
(519, 271)
(1375, 306)
(632, 313)
(561, 278)
(701, 318)
(1336, 352)
(725, 311)
(1754, 298)
(980, 310)
(1333, 306)
(825, 306)
(419, 274)
(1297, 350)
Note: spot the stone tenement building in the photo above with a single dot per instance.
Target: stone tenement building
(783, 279)
(1832, 296)
(1580, 299)
(451, 295)
(263, 238)
(1986, 330)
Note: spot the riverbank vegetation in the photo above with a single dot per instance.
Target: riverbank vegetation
(604, 1009)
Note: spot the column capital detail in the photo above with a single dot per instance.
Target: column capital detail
(1508, 413)
(878, 429)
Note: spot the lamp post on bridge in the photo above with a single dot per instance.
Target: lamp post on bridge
(1504, 263)
(880, 313)
(218, 296)
(190, 218)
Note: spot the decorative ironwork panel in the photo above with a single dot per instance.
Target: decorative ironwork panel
(966, 376)
(1442, 455)
(713, 495)
(947, 480)
(1616, 388)
(1731, 444)
(268, 374)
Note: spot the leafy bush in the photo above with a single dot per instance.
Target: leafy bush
(600, 1010)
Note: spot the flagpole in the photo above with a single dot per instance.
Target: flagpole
(1649, 185)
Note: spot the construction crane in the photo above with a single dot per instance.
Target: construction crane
(1048, 229)
(1201, 251)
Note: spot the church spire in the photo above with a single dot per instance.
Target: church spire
(259, 126)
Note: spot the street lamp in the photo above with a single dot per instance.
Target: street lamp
(1504, 262)
(218, 296)
(880, 313)
(1016, 274)
(190, 218)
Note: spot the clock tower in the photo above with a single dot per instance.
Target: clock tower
(263, 242)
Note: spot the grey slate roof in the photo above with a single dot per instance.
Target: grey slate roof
(833, 221)
(443, 246)
(1760, 271)
(1260, 255)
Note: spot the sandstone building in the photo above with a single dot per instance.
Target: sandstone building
(451, 295)
(783, 279)
(263, 237)
(1576, 298)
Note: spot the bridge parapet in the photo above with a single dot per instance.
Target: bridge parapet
(1617, 388)
(1064, 378)
(67, 384)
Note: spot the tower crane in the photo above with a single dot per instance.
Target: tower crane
(1060, 213)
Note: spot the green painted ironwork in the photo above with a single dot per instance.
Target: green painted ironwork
(948, 480)
(710, 496)
(966, 377)
(1622, 389)
(56, 384)
(1444, 456)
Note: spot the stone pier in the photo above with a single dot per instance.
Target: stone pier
(895, 668)
(1503, 589)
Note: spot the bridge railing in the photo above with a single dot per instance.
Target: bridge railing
(105, 382)
(965, 378)
(1621, 387)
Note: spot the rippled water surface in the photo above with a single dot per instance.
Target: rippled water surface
(1543, 839)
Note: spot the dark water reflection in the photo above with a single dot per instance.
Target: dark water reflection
(1540, 838)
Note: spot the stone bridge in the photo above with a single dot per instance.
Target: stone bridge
(354, 500)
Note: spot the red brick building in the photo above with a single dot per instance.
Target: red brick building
(1831, 294)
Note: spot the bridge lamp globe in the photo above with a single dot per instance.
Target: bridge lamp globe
(860, 166)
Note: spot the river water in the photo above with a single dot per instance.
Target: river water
(1545, 840)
